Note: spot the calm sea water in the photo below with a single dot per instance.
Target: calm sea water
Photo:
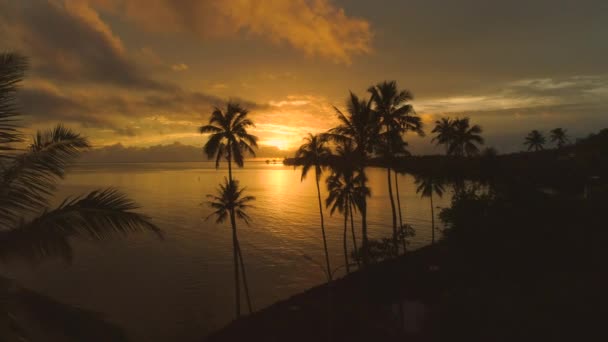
(182, 288)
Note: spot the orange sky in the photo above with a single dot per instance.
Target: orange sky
(147, 72)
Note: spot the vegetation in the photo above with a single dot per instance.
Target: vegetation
(458, 136)
(359, 126)
(396, 117)
(230, 202)
(29, 175)
(559, 137)
(314, 153)
(229, 139)
(535, 140)
(427, 186)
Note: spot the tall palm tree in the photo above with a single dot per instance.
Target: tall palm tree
(360, 126)
(465, 138)
(427, 186)
(535, 140)
(444, 130)
(559, 136)
(229, 138)
(315, 153)
(396, 117)
(29, 177)
(231, 202)
(339, 198)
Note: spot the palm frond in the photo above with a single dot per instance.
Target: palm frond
(31, 177)
(12, 71)
(98, 215)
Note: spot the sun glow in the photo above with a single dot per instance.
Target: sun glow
(278, 143)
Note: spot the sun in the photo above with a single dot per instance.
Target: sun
(278, 143)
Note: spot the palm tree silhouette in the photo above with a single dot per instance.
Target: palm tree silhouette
(465, 138)
(340, 188)
(444, 130)
(360, 126)
(314, 153)
(29, 177)
(535, 141)
(426, 186)
(346, 191)
(229, 138)
(396, 117)
(559, 136)
(230, 202)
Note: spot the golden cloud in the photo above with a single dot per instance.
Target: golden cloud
(316, 27)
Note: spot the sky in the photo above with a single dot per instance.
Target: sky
(143, 73)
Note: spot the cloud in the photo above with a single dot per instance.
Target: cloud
(316, 27)
(179, 67)
(69, 42)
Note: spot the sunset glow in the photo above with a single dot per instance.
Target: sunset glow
(114, 72)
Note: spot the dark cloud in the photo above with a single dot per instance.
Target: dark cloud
(68, 42)
(446, 47)
(127, 114)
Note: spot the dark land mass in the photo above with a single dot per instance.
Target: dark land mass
(534, 271)
(522, 259)
(28, 316)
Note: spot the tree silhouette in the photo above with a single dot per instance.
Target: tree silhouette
(230, 202)
(29, 177)
(360, 126)
(427, 186)
(396, 117)
(559, 137)
(444, 130)
(229, 138)
(465, 138)
(314, 153)
(535, 141)
(346, 191)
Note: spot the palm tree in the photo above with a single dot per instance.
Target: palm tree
(396, 117)
(29, 177)
(229, 138)
(230, 202)
(314, 153)
(340, 188)
(444, 130)
(559, 136)
(346, 191)
(426, 186)
(465, 138)
(535, 140)
(360, 127)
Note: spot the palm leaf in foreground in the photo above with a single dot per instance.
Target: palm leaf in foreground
(12, 70)
(99, 215)
(28, 179)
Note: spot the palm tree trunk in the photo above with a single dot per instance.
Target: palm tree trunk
(229, 164)
(398, 201)
(235, 249)
(364, 239)
(399, 208)
(432, 221)
(352, 229)
(344, 240)
(393, 211)
(245, 283)
(323, 227)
